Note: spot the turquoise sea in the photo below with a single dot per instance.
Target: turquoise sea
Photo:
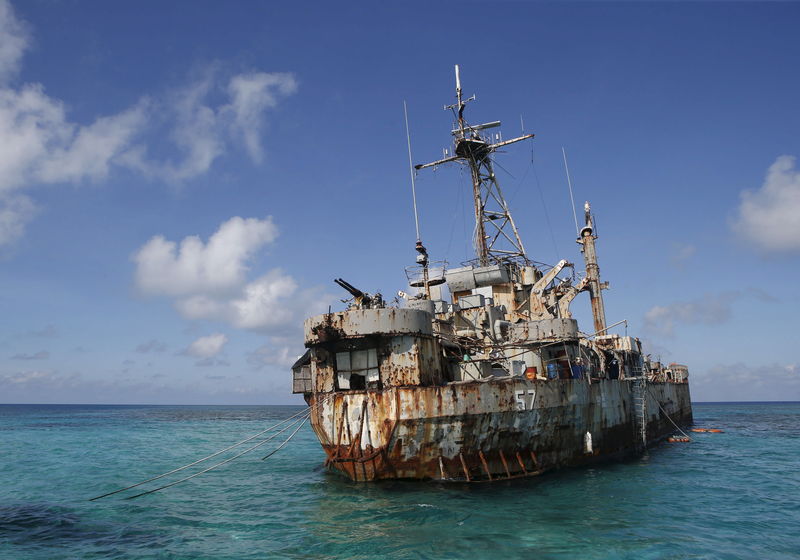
(729, 495)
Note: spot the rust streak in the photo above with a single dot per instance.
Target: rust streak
(535, 460)
(521, 463)
(464, 466)
(485, 466)
(503, 458)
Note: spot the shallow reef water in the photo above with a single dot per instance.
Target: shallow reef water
(725, 495)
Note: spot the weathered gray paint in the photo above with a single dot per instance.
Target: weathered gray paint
(406, 432)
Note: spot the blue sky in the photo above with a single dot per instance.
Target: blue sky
(180, 182)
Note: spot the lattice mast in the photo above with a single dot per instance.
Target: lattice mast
(496, 236)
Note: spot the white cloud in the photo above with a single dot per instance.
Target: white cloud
(263, 303)
(271, 303)
(90, 151)
(207, 346)
(251, 94)
(209, 280)
(194, 268)
(278, 355)
(24, 377)
(196, 132)
(201, 129)
(743, 382)
(13, 41)
(710, 310)
(15, 212)
(40, 145)
(768, 217)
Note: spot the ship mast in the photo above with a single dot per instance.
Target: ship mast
(496, 237)
(586, 240)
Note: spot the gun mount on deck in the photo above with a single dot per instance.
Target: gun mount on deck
(361, 300)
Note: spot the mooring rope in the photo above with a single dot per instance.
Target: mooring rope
(667, 415)
(274, 451)
(303, 414)
(228, 460)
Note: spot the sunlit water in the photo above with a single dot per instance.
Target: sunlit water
(730, 495)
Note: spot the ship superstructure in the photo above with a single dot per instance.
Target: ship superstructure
(496, 382)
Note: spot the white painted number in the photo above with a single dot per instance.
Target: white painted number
(521, 405)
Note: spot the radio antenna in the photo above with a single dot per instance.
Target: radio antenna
(413, 172)
(571, 198)
(496, 237)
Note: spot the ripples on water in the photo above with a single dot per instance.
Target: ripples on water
(731, 495)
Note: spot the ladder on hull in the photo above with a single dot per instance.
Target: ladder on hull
(639, 390)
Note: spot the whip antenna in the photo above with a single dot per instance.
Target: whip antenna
(569, 183)
(413, 173)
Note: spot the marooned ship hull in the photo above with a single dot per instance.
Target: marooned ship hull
(492, 429)
(483, 372)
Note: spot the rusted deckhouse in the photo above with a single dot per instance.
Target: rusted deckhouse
(495, 382)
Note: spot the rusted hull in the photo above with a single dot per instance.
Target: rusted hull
(495, 429)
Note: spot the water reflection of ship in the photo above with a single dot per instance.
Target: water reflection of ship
(497, 382)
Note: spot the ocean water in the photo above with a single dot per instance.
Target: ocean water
(729, 495)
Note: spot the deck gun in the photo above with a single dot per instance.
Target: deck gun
(360, 299)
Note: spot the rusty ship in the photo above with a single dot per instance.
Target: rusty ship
(483, 374)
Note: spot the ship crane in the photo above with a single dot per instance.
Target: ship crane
(570, 293)
(496, 237)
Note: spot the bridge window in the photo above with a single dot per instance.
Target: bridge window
(357, 368)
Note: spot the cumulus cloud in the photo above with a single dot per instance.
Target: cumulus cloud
(90, 150)
(713, 309)
(207, 346)
(263, 303)
(41, 355)
(166, 268)
(210, 280)
(42, 146)
(768, 217)
(270, 304)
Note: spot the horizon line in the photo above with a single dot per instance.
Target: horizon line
(290, 404)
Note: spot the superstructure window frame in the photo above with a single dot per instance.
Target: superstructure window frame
(354, 363)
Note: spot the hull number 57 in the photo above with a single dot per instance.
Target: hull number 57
(522, 402)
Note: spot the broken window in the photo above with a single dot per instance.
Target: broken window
(356, 369)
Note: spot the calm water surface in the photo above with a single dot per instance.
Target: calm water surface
(731, 495)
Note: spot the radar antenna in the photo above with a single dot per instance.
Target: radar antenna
(496, 237)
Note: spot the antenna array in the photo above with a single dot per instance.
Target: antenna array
(496, 236)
